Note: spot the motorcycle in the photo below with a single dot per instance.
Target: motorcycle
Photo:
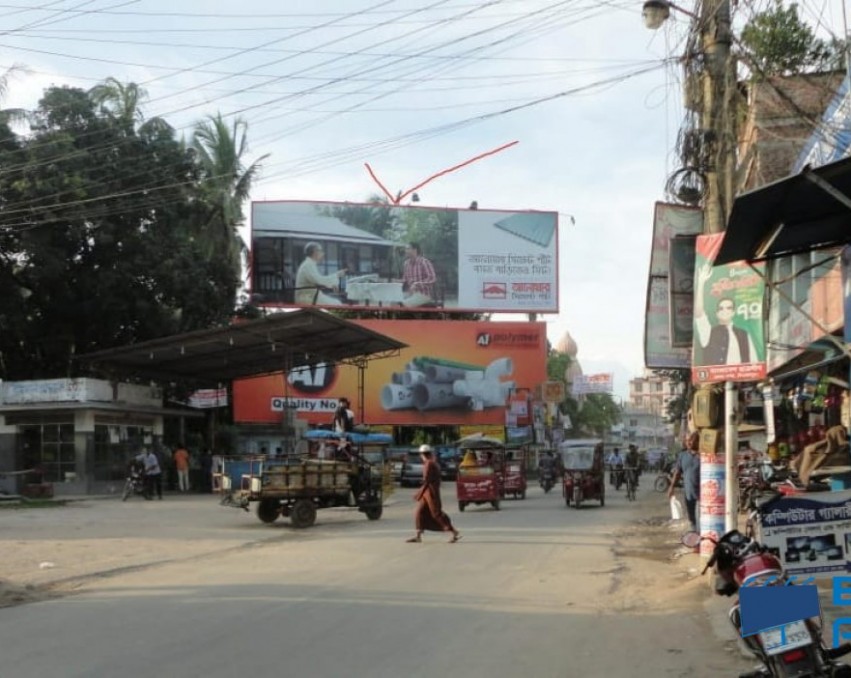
(547, 479)
(795, 649)
(134, 484)
(663, 480)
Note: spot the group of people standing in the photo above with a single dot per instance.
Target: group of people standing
(151, 466)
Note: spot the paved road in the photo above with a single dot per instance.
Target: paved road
(535, 589)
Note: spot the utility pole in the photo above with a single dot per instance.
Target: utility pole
(719, 138)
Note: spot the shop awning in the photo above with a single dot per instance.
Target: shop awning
(247, 349)
(810, 210)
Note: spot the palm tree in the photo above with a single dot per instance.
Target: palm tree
(226, 182)
(12, 115)
(123, 102)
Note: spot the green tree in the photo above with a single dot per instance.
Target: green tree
(779, 42)
(226, 183)
(98, 224)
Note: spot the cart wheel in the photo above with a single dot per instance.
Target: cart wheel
(603, 497)
(662, 483)
(374, 512)
(461, 506)
(523, 494)
(495, 505)
(268, 510)
(567, 501)
(303, 513)
(577, 496)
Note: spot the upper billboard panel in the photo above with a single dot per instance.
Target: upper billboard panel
(386, 256)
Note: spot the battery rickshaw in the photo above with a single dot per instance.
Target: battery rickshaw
(481, 473)
(584, 477)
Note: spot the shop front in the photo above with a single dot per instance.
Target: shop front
(75, 436)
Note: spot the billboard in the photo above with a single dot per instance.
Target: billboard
(359, 256)
(593, 383)
(452, 373)
(729, 343)
(665, 344)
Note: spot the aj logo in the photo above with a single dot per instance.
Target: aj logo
(312, 379)
(484, 339)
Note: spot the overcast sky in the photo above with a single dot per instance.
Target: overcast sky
(413, 87)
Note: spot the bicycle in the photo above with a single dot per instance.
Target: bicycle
(629, 472)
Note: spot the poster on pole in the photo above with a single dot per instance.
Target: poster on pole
(729, 341)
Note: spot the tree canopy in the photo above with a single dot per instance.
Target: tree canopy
(111, 230)
(779, 42)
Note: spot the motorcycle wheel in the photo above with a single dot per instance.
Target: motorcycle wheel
(662, 484)
(127, 490)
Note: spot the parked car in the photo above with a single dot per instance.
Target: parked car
(448, 461)
(397, 461)
(412, 470)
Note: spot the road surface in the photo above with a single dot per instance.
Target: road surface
(536, 589)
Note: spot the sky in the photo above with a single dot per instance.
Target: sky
(411, 87)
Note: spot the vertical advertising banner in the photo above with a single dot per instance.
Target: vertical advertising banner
(729, 343)
(712, 500)
(665, 335)
(451, 373)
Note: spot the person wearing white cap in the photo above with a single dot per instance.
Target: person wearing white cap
(429, 515)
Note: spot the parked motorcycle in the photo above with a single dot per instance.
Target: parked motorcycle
(795, 649)
(134, 484)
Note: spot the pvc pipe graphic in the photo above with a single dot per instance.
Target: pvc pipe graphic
(435, 383)
(395, 397)
(435, 397)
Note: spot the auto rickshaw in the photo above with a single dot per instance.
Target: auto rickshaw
(481, 473)
(515, 472)
(584, 476)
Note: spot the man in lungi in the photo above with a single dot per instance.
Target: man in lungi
(429, 514)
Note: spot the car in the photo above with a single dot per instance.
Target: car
(447, 459)
(412, 470)
(397, 461)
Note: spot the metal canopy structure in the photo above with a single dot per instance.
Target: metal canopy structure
(807, 211)
(250, 348)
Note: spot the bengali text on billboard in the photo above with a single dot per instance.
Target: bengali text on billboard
(452, 373)
(467, 260)
(593, 383)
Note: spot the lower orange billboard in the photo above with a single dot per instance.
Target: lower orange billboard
(453, 373)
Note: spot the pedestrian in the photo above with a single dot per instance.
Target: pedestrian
(153, 475)
(688, 466)
(429, 514)
(632, 463)
(181, 463)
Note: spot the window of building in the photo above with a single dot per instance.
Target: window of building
(50, 446)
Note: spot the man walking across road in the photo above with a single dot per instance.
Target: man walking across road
(181, 462)
(429, 514)
(688, 466)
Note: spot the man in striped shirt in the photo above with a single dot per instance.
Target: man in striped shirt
(418, 277)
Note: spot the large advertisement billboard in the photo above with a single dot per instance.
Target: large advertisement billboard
(729, 343)
(361, 256)
(452, 373)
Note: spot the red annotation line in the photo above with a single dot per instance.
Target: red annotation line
(404, 195)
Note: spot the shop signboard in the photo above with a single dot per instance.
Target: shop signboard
(811, 534)
(497, 432)
(662, 348)
(729, 342)
(476, 260)
(451, 373)
(552, 391)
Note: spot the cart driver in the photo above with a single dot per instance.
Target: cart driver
(547, 462)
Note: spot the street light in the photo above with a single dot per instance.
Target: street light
(656, 12)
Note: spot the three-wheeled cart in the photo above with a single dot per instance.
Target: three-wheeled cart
(583, 474)
(296, 487)
(481, 473)
(515, 472)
